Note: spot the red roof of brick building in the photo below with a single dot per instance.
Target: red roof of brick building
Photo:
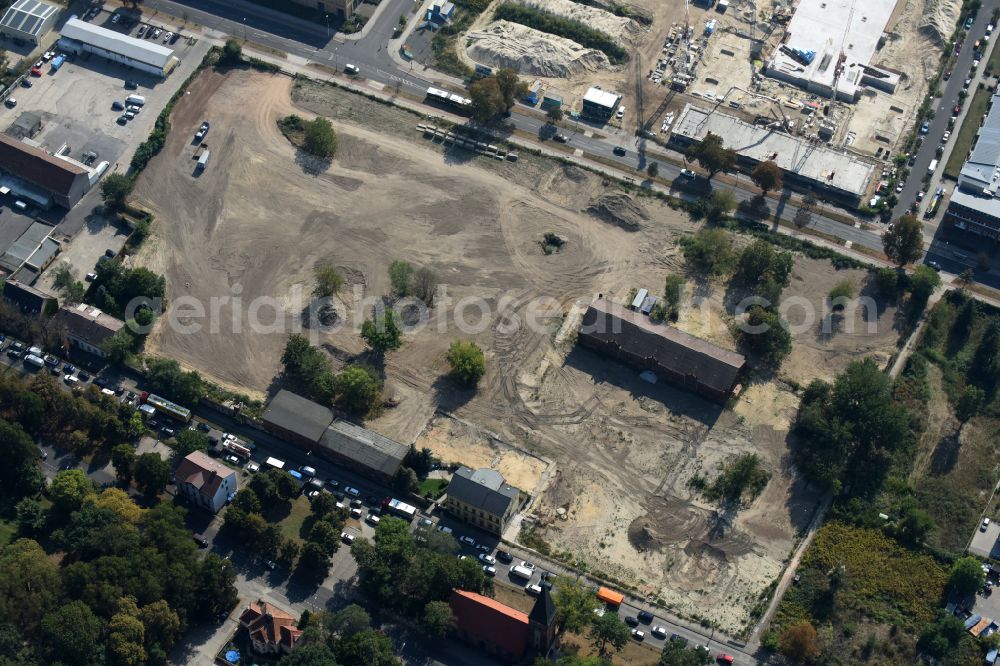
(266, 623)
(37, 167)
(490, 620)
(202, 472)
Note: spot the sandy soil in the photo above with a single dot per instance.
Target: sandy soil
(456, 442)
(260, 217)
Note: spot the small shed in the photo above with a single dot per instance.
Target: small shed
(640, 296)
(27, 125)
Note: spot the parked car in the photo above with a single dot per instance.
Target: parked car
(115, 18)
(533, 590)
(35, 71)
(490, 571)
(131, 85)
(232, 460)
(935, 265)
(347, 537)
(968, 22)
(659, 632)
(645, 617)
(724, 658)
(26, 83)
(307, 472)
(619, 150)
(253, 467)
(84, 376)
(141, 32)
(638, 634)
(122, 120)
(10, 102)
(270, 564)
(352, 491)
(504, 556)
(561, 138)
(631, 620)
(487, 559)
(373, 519)
(467, 540)
(956, 110)
(925, 128)
(200, 540)
(167, 37)
(527, 565)
(687, 173)
(984, 524)
(677, 638)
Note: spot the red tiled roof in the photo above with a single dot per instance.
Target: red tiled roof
(37, 166)
(490, 620)
(202, 472)
(267, 623)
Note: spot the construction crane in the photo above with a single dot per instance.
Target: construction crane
(838, 67)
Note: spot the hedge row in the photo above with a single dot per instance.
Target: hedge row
(562, 27)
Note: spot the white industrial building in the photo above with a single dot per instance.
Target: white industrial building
(140, 54)
(826, 171)
(833, 42)
(28, 20)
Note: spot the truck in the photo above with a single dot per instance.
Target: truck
(521, 572)
(932, 167)
(32, 359)
(203, 160)
(401, 509)
(275, 463)
(236, 449)
(57, 62)
(610, 597)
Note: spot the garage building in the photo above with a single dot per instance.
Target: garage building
(28, 20)
(600, 104)
(79, 36)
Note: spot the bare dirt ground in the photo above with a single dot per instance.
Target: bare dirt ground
(456, 442)
(261, 217)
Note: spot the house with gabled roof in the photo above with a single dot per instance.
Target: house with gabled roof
(271, 629)
(205, 481)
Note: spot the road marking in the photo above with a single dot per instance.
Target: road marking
(578, 152)
(376, 85)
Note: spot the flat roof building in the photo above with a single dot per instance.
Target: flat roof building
(141, 54)
(830, 172)
(26, 298)
(974, 207)
(600, 104)
(688, 362)
(63, 181)
(811, 58)
(34, 248)
(29, 20)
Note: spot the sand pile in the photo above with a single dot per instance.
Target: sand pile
(529, 51)
(939, 18)
(619, 209)
(616, 27)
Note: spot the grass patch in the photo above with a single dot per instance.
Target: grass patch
(967, 133)
(292, 518)
(432, 488)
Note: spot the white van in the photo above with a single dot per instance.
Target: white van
(20, 206)
(137, 100)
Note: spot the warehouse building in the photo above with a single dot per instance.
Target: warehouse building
(600, 104)
(296, 419)
(362, 450)
(145, 56)
(831, 43)
(33, 174)
(28, 21)
(830, 173)
(974, 209)
(688, 362)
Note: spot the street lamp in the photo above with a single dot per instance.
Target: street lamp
(327, 25)
(244, 28)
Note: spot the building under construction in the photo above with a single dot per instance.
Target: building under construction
(829, 45)
(807, 163)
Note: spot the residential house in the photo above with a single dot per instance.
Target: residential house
(271, 630)
(481, 498)
(205, 481)
(87, 328)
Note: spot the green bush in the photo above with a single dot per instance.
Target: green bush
(562, 27)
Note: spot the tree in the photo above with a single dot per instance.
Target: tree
(30, 586)
(653, 170)
(575, 604)
(709, 251)
(382, 331)
(887, 282)
(425, 284)
(903, 241)
(349, 620)
(328, 281)
(511, 87)
(31, 516)
(676, 653)
(314, 561)
(121, 345)
(319, 138)
(214, 589)
(554, 113)
(367, 648)
(152, 473)
(712, 155)
(607, 630)
(842, 291)
(767, 334)
(969, 402)
(487, 99)
(68, 490)
(72, 634)
(468, 364)
(941, 636)
(798, 642)
(767, 176)
(923, 282)
(358, 389)
(127, 635)
(163, 626)
(742, 476)
(966, 576)
(914, 524)
(232, 53)
(115, 188)
(188, 441)
(437, 619)
(400, 276)
(311, 654)
(719, 205)
(967, 277)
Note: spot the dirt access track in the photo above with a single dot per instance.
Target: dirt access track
(260, 217)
